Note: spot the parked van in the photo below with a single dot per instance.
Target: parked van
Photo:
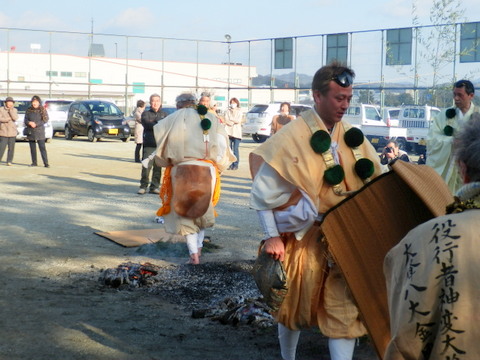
(417, 120)
(258, 122)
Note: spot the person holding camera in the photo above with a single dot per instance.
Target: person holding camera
(392, 152)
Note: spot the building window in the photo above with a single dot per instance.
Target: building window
(337, 48)
(399, 47)
(81, 74)
(470, 42)
(52, 73)
(284, 53)
(66, 73)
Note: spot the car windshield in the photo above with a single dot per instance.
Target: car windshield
(104, 109)
(394, 114)
(58, 105)
(259, 109)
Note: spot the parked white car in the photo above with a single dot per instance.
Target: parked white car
(22, 105)
(57, 113)
(258, 122)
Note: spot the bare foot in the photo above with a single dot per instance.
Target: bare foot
(194, 259)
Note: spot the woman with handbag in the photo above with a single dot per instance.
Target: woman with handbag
(35, 118)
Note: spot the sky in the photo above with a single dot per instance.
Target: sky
(243, 20)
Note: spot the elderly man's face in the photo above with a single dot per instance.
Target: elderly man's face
(205, 101)
(155, 103)
(462, 99)
(9, 104)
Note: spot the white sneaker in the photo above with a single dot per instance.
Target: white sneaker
(141, 191)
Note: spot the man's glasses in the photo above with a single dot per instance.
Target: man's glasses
(345, 79)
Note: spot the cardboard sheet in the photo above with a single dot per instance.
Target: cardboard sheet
(133, 238)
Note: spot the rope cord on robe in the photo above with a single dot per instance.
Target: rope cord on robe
(166, 189)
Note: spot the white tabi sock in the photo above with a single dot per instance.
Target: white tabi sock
(341, 349)
(288, 342)
(201, 236)
(192, 244)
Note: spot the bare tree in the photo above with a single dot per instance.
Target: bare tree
(438, 42)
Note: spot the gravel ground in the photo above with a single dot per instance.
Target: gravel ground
(52, 304)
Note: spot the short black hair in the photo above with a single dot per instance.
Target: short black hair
(323, 76)
(467, 84)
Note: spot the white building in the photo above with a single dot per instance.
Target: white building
(123, 81)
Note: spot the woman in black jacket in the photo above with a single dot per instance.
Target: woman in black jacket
(35, 118)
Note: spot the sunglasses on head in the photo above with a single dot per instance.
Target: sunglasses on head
(345, 79)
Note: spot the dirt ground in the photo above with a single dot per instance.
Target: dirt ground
(52, 305)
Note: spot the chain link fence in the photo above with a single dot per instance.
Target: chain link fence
(126, 68)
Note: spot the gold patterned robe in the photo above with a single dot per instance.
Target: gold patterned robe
(318, 294)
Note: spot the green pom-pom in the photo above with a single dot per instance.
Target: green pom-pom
(202, 109)
(448, 130)
(450, 113)
(334, 175)
(320, 141)
(206, 124)
(364, 168)
(354, 137)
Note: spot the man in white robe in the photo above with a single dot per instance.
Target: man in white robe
(442, 130)
(194, 148)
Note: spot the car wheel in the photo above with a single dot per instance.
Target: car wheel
(126, 139)
(259, 138)
(91, 135)
(68, 133)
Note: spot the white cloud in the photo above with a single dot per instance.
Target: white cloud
(132, 20)
(33, 20)
(5, 21)
(397, 9)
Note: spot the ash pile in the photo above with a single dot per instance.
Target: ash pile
(221, 291)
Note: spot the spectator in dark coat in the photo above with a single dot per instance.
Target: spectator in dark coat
(35, 119)
(149, 119)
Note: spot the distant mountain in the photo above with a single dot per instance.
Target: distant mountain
(283, 81)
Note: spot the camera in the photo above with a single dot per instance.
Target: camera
(388, 149)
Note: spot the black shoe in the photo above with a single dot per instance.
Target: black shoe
(33, 164)
(47, 166)
(234, 167)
